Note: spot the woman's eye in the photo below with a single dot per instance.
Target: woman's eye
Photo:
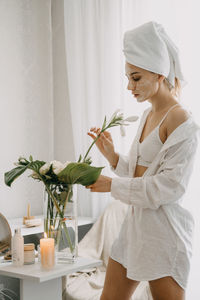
(136, 79)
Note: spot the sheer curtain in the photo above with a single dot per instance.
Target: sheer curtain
(95, 67)
(97, 85)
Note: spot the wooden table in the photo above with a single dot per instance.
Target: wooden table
(36, 283)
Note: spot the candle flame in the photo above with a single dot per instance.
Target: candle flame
(45, 235)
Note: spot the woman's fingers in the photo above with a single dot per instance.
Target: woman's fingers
(95, 129)
(98, 131)
(92, 135)
(103, 136)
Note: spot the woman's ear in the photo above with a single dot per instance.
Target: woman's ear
(161, 78)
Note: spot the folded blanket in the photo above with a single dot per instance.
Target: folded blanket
(88, 284)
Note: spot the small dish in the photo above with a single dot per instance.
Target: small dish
(33, 222)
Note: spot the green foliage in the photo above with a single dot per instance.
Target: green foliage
(22, 165)
(80, 173)
(74, 173)
(10, 176)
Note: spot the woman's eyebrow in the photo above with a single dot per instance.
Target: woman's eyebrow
(132, 73)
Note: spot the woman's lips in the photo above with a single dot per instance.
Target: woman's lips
(135, 95)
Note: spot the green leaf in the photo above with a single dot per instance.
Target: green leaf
(35, 165)
(80, 157)
(10, 176)
(80, 173)
(88, 161)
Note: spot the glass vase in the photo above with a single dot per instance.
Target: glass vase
(60, 220)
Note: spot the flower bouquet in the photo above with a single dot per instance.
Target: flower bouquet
(59, 179)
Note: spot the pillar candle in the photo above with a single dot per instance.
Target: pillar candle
(47, 252)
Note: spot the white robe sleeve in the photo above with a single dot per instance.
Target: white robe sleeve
(165, 187)
(122, 168)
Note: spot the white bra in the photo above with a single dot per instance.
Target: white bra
(151, 145)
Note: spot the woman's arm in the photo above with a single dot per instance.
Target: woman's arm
(167, 186)
(122, 166)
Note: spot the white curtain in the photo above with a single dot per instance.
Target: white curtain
(95, 67)
(97, 85)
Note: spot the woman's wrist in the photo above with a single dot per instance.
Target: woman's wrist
(113, 160)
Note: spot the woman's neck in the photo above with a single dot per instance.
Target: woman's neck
(162, 100)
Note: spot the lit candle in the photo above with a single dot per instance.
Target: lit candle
(47, 252)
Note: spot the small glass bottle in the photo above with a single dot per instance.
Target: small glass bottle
(29, 254)
(17, 248)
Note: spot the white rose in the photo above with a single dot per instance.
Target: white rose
(35, 175)
(57, 166)
(45, 168)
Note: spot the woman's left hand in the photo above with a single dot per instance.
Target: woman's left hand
(102, 185)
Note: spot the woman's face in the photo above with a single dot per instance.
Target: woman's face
(142, 83)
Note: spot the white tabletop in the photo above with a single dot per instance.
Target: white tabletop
(34, 272)
(18, 223)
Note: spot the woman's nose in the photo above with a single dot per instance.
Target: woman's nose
(131, 86)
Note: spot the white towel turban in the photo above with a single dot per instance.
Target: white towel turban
(149, 47)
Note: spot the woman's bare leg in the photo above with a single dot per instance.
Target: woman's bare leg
(117, 286)
(166, 288)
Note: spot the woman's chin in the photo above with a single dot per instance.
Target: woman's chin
(141, 99)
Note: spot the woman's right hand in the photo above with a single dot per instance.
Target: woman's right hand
(104, 143)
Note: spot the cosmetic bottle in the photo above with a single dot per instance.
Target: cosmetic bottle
(17, 248)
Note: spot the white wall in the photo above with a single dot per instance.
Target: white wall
(26, 115)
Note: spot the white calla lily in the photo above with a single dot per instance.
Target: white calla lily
(124, 123)
(115, 114)
(122, 130)
(131, 119)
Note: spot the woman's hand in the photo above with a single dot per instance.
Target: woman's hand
(105, 144)
(102, 185)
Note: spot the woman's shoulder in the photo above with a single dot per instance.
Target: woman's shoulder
(176, 117)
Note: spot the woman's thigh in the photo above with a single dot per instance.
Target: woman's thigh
(166, 288)
(117, 286)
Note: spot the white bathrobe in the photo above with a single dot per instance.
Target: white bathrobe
(156, 237)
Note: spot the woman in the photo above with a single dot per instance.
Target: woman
(155, 241)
